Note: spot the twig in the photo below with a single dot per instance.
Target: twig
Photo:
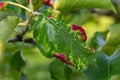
(27, 26)
(19, 5)
(30, 5)
(30, 18)
(109, 13)
(20, 37)
(17, 39)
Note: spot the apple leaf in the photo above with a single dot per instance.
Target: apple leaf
(7, 26)
(107, 66)
(112, 40)
(65, 5)
(17, 62)
(56, 36)
(59, 72)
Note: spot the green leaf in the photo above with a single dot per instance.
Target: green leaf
(17, 62)
(23, 2)
(113, 39)
(64, 72)
(106, 67)
(56, 36)
(115, 77)
(4, 14)
(37, 4)
(98, 40)
(65, 5)
(61, 72)
(7, 26)
(14, 10)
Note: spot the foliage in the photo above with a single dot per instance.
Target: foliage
(51, 35)
(112, 39)
(59, 40)
(109, 64)
(7, 29)
(79, 4)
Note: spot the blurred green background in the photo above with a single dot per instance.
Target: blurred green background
(98, 24)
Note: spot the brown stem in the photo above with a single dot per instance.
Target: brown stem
(19, 37)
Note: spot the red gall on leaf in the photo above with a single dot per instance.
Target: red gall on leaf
(49, 16)
(62, 57)
(56, 55)
(81, 30)
(69, 63)
(74, 27)
(48, 2)
(2, 5)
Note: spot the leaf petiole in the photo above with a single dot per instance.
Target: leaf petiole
(19, 5)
